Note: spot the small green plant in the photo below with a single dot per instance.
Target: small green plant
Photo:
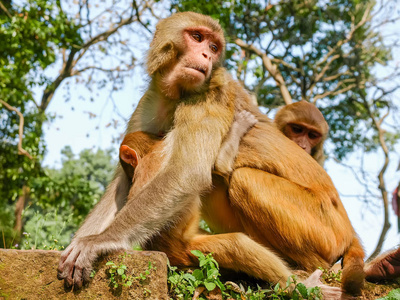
(299, 292)
(331, 276)
(184, 285)
(47, 230)
(120, 277)
(393, 295)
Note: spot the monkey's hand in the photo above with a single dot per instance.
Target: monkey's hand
(244, 120)
(77, 260)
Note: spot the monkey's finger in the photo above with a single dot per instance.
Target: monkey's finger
(86, 275)
(61, 265)
(78, 277)
(68, 283)
(68, 268)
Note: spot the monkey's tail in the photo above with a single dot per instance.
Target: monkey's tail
(353, 268)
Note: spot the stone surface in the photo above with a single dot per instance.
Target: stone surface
(32, 274)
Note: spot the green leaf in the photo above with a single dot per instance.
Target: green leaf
(198, 254)
(189, 277)
(393, 295)
(120, 271)
(210, 285)
(198, 274)
(212, 273)
(302, 290)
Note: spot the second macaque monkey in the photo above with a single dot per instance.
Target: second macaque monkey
(304, 124)
(138, 144)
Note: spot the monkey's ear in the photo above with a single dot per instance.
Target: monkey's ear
(160, 56)
(128, 155)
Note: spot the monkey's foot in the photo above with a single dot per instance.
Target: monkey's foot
(329, 292)
(384, 268)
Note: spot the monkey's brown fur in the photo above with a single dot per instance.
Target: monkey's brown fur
(283, 202)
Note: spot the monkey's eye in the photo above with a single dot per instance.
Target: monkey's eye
(197, 36)
(313, 135)
(296, 128)
(214, 48)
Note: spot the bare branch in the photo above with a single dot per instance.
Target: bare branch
(134, 4)
(21, 151)
(289, 66)
(5, 10)
(271, 68)
(363, 180)
(334, 77)
(349, 35)
(382, 184)
(70, 62)
(334, 92)
(104, 35)
(77, 72)
(322, 73)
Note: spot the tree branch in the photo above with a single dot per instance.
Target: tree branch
(5, 10)
(71, 61)
(271, 68)
(21, 151)
(382, 185)
(334, 93)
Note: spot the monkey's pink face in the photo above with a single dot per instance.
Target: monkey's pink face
(201, 51)
(306, 136)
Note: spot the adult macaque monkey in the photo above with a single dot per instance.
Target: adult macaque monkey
(278, 194)
(304, 124)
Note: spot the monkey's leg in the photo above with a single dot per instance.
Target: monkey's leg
(273, 211)
(238, 252)
(234, 251)
(305, 230)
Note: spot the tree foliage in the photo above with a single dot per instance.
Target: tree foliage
(31, 36)
(67, 194)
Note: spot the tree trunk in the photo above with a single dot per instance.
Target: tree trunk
(19, 208)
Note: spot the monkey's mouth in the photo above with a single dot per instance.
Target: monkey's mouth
(200, 69)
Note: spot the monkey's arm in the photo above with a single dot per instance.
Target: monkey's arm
(190, 152)
(104, 212)
(117, 191)
(244, 120)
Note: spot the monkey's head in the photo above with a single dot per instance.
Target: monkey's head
(185, 50)
(303, 123)
(133, 148)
